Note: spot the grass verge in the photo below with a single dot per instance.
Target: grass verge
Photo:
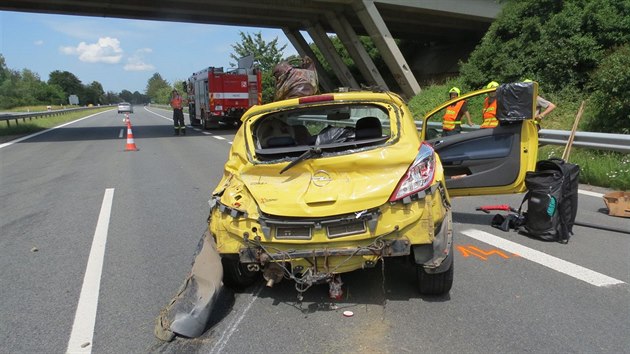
(598, 168)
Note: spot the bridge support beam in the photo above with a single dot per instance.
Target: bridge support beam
(325, 45)
(299, 43)
(373, 22)
(357, 52)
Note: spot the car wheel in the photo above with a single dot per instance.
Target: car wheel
(235, 274)
(434, 284)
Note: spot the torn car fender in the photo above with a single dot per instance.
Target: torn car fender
(437, 257)
(189, 311)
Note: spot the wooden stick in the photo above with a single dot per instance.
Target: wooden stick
(567, 148)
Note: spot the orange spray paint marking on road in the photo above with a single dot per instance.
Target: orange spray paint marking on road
(470, 250)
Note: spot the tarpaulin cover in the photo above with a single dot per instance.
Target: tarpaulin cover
(292, 82)
(516, 101)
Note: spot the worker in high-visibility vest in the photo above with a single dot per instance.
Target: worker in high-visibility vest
(489, 112)
(452, 120)
(178, 113)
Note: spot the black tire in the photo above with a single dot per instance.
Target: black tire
(434, 284)
(235, 274)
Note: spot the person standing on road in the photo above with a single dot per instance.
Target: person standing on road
(452, 120)
(489, 112)
(178, 113)
(543, 108)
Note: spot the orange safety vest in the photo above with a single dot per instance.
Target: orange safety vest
(176, 102)
(450, 116)
(489, 114)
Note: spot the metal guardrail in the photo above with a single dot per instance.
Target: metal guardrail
(589, 140)
(30, 115)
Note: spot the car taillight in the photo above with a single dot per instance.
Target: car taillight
(318, 98)
(419, 176)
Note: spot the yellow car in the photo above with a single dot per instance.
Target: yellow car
(322, 185)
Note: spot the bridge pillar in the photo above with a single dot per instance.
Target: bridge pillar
(303, 49)
(325, 45)
(361, 58)
(373, 22)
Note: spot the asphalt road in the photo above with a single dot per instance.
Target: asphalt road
(543, 298)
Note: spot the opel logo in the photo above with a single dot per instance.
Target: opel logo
(321, 178)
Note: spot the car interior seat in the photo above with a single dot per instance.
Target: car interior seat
(274, 133)
(368, 128)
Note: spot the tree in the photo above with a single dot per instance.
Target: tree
(69, 83)
(611, 83)
(267, 54)
(558, 43)
(155, 85)
(94, 93)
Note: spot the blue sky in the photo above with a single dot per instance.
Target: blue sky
(118, 53)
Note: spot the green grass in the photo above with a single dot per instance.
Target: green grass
(38, 124)
(598, 168)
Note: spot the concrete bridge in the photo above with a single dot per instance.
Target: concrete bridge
(447, 29)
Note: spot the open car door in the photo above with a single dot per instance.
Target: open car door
(493, 160)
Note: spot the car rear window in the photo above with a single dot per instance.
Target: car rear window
(335, 127)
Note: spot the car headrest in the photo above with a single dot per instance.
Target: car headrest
(368, 128)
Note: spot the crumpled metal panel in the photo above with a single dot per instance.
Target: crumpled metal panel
(189, 311)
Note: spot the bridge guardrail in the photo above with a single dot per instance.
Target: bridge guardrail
(30, 115)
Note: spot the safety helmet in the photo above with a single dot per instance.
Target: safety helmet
(527, 80)
(454, 89)
(492, 84)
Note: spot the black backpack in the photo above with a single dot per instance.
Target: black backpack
(552, 200)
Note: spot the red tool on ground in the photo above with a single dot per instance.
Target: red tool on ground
(487, 208)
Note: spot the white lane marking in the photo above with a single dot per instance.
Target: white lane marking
(206, 133)
(47, 130)
(544, 259)
(157, 114)
(592, 194)
(229, 142)
(120, 135)
(219, 137)
(85, 317)
(225, 337)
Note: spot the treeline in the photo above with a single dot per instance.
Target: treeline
(575, 49)
(25, 88)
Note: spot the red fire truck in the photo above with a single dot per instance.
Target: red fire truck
(217, 98)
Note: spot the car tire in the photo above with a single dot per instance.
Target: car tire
(434, 284)
(235, 275)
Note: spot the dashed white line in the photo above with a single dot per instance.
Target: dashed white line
(557, 264)
(120, 135)
(219, 137)
(85, 317)
(206, 133)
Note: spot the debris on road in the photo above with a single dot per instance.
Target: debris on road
(618, 203)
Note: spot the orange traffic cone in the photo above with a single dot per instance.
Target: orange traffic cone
(131, 144)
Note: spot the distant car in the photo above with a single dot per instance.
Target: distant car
(125, 107)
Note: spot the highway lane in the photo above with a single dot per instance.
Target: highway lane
(52, 187)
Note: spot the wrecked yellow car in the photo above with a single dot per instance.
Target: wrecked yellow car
(322, 185)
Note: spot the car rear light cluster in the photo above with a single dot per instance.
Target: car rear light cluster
(419, 176)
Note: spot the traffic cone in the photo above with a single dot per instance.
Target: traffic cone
(131, 144)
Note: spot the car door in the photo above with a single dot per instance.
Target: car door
(489, 161)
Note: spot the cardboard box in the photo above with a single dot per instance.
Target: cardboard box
(618, 203)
